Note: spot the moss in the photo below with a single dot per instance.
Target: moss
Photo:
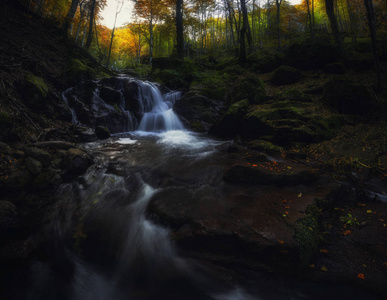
(249, 87)
(78, 71)
(210, 85)
(238, 109)
(308, 234)
(34, 90)
(293, 95)
(265, 146)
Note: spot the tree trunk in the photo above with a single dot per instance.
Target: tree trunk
(278, 4)
(150, 42)
(179, 29)
(70, 16)
(329, 5)
(372, 25)
(91, 22)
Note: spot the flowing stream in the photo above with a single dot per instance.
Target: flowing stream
(105, 245)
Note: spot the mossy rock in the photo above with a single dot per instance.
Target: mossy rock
(78, 71)
(334, 68)
(102, 133)
(211, 86)
(308, 234)
(238, 109)
(34, 91)
(265, 62)
(293, 94)
(227, 63)
(264, 146)
(285, 75)
(349, 98)
(249, 87)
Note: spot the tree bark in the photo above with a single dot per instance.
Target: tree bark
(91, 22)
(179, 29)
(329, 5)
(278, 4)
(372, 26)
(70, 16)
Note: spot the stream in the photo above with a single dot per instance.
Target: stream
(104, 243)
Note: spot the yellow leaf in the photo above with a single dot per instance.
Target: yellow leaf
(299, 195)
(324, 268)
(364, 265)
(369, 211)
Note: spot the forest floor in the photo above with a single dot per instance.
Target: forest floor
(353, 248)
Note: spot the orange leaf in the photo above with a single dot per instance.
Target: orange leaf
(361, 276)
(347, 232)
(280, 241)
(324, 250)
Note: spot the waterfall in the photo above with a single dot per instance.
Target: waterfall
(123, 104)
(158, 113)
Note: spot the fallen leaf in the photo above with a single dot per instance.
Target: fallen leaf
(369, 211)
(280, 241)
(324, 268)
(361, 276)
(312, 266)
(364, 265)
(324, 250)
(347, 232)
(361, 204)
(299, 195)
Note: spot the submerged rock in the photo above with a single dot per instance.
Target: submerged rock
(102, 133)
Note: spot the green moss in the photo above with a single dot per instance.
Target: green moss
(285, 75)
(210, 85)
(249, 87)
(238, 109)
(34, 90)
(265, 146)
(308, 234)
(293, 95)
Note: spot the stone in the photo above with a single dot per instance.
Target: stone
(54, 145)
(39, 154)
(33, 165)
(34, 91)
(249, 87)
(102, 133)
(285, 75)
(88, 136)
(76, 161)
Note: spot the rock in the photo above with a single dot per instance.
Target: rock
(34, 91)
(334, 68)
(285, 75)
(88, 136)
(5, 149)
(43, 181)
(54, 145)
(349, 98)
(76, 161)
(102, 133)
(264, 146)
(268, 173)
(249, 87)
(39, 154)
(110, 95)
(18, 181)
(8, 214)
(33, 165)
(293, 94)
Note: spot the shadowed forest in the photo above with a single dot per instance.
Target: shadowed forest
(206, 149)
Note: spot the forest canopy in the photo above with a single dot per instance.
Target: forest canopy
(216, 27)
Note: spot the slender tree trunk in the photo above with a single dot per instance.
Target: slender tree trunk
(70, 16)
(91, 23)
(329, 5)
(179, 29)
(118, 10)
(151, 41)
(278, 4)
(372, 26)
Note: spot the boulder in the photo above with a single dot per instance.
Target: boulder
(33, 165)
(39, 154)
(5, 149)
(88, 136)
(102, 133)
(293, 94)
(249, 87)
(347, 97)
(34, 91)
(76, 161)
(285, 75)
(334, 68)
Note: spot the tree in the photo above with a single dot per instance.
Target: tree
(329, 6)
(91, 24)
(245, 31)
(70, 16)
(372, 26)
(120, 4)
(179, 29)
(278, 5)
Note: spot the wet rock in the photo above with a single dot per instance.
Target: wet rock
(18, 181)
(249, 87)
(54, 145)
(285, 75)
(264, 146)
(34, 91)
(102, 133)
(76, 161)
(39, 154)
(349, 98)
(110, 95)
(88, 136)
(8, 214)
(268, 173)
(43, 181)
(33, 165)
